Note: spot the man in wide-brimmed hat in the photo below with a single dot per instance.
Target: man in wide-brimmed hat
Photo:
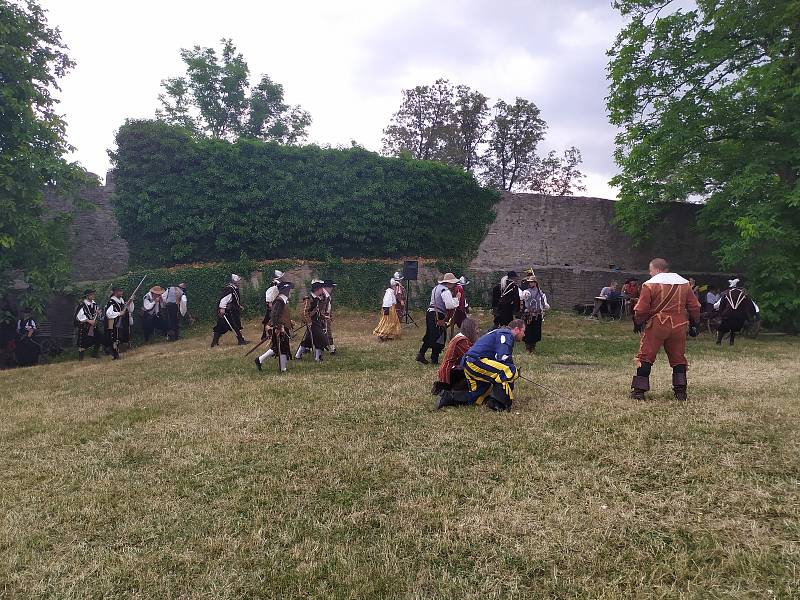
(176, 305)
(87, 315)
(534, 304)
(314, 320)
(441, 308)
(153, 313)
(280, 326)
(269, 297)
(229, 312)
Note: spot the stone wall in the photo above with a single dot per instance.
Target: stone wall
(575, 249)
(98, 251)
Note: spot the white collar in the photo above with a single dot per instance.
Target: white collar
(668, 278)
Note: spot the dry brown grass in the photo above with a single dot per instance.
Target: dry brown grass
(182, 471)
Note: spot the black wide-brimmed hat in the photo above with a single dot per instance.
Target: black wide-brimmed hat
(317, 285)
(329, 283)
(512, 274)
(87, 292)
(285, 285)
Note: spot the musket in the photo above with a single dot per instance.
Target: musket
(125, 310)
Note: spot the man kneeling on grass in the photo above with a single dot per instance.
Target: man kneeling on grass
(489, 367)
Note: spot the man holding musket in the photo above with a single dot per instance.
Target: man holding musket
(86, 317)
(666, 311)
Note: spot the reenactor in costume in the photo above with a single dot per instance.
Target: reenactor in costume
(506, 300)
(269, 297)
(117, 318)
(153, 312)
(400, 296)
(389, 326)
(229, 312)
(462, 310)
(534, 304)
(27, 350)
(489, 367)
(451, 384)
(314, 320)
(176, 306)
(666, 311)
(440, 310)
(735, 308)
(280, 327)
(328, 286)
(86, 316)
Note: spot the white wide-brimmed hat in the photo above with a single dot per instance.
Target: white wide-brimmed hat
(278, 274)
(397, 276)
(463, 280)
(448, 278)
(235, 278)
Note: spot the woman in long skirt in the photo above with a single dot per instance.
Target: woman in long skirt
(389, 326)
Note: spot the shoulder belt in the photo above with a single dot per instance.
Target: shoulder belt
(663, 304)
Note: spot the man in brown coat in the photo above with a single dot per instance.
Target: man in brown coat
(667, 309)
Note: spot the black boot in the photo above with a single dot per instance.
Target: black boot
(719, 338)
(242, 341)
(421, 358)
(215, 340)
(679, 385)
(114, 354)
(258, 363)
(733, 335)
(80, 355)
(95, 352)
(639, 386)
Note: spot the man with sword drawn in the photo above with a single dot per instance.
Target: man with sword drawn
(229, 312)
(280, 327)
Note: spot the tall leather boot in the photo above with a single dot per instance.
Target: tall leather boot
(730, 342)
(679, 385)
(215, 340)
(719, 338)
(80, 355)
(639, 385)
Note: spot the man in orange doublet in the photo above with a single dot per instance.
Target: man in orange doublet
(666, 311)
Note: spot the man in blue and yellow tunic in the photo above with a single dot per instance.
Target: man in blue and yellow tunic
(489, 367)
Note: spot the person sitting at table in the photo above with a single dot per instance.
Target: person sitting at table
(610, 298)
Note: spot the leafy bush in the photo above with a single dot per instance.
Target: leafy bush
(179, 199)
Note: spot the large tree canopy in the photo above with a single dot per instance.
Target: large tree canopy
(214, 99)
(454, 125)
(32, 147)
(708, 101)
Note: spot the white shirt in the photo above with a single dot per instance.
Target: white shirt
(184, 305)
(223, 303)
(90, 306)
(151, 304)
(111, 311)
(389, 298)
(526, 294)
(271, 294)
(450, 303)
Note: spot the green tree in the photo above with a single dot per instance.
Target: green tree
(32, 149)
(420, 126)
(214, 99)
(708, 101)
(454, 125)
(515, 131)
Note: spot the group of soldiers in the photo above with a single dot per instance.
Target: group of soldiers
(110, 326)
(278, 326)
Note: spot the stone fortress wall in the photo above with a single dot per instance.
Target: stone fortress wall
(570, 242)
(575, 249)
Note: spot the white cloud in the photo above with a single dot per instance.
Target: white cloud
(346, 62)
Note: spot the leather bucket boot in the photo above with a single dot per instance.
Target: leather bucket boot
(639, 386)
(679, 385)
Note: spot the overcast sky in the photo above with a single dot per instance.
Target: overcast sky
(346, 62)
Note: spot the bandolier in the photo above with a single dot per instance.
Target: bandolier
(116, 315)
(314, 320)
(86, 316)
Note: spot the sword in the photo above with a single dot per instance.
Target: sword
(258, 344)
(545, 388)
(224, 316)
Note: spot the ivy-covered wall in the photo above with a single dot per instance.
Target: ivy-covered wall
(182, 199)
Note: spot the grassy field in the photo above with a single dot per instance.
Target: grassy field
(181, 471)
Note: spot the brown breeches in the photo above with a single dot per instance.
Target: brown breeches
(673, 339)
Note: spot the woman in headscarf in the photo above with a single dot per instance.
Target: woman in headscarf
(451, 375)
(389, 326)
